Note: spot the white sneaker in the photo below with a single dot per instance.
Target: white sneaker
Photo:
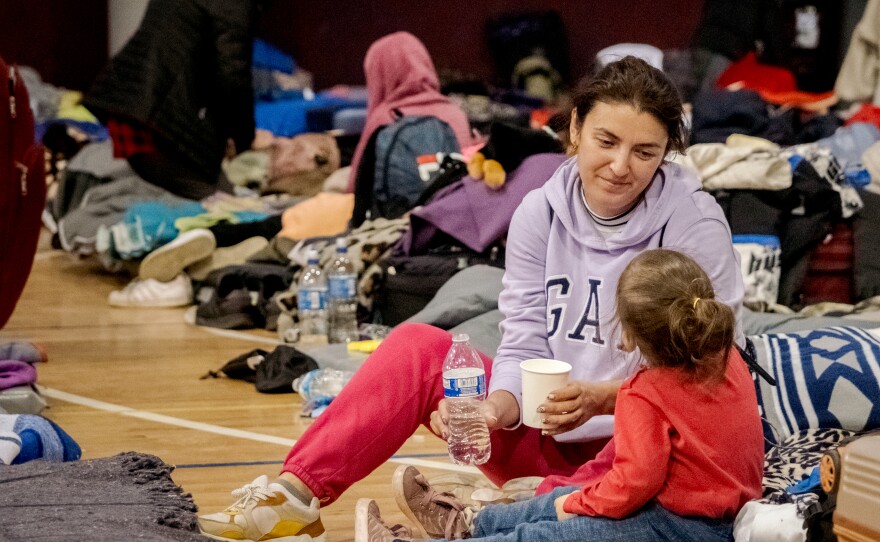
(153, 293)
(265, 511)
(168, 261)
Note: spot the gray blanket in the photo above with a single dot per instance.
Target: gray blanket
(129, 496)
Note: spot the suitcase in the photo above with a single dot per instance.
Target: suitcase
(858, 497)
(830, 272)
(22, 189)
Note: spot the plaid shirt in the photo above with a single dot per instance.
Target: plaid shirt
(130, 138)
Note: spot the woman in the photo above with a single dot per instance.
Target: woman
(400, 76)
(614, 200)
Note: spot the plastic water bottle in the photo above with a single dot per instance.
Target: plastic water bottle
(312, 302)
(342, 280)
(318, 388)
(464, 386)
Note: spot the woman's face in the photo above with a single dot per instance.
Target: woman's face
(619, 149)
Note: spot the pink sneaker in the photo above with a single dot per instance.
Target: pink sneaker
(369, 527)
(435, 515)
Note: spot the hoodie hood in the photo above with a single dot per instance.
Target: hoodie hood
(672, 184)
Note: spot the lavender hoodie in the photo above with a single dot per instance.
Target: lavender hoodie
(561, 276)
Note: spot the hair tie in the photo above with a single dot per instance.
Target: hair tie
(696, 300)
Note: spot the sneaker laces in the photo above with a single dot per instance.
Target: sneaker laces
(248, 495)
(456, 510)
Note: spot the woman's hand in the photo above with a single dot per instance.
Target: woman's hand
(570, 407)
(500, 410)
(561, 514)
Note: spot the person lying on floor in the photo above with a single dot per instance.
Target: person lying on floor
(614, 199)
(678, 474)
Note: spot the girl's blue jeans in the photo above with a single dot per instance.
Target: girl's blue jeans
(535, 519)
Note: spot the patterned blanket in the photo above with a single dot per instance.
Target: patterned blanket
(826, 378)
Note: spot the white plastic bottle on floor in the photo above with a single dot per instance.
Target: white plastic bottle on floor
(464, 386)
(342, 282)
(312, 302)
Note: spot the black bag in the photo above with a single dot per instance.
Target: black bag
(270, 372)
(517, 36)
(280, 368)
(410, 282)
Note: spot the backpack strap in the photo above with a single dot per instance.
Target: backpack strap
(751, 358)
(363, 183)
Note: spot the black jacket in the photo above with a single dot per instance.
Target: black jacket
(186, 74)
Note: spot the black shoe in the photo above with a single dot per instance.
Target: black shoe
(231, 306)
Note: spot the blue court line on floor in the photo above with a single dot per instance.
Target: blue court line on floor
(279, 463)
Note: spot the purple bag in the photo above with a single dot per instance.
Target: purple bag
(16, 373)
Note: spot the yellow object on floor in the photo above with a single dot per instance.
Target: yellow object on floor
(364, 346)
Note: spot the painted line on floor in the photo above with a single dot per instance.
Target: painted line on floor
(258, 463)
(225, 431)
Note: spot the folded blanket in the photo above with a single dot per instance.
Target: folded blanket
(129, 496)
(826, 378)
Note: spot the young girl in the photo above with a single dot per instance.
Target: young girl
(689, 449)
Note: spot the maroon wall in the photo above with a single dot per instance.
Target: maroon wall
(65, 41)
(330, 37)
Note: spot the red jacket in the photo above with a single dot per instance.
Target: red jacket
(695, 448)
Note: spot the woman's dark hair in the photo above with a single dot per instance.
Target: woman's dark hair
(667, 308)
(633, 81)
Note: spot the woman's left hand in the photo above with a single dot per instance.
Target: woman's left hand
(570, 407)
(561, 514)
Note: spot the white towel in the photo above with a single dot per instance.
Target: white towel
(10, 442)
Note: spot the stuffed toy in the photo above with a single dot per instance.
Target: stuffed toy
(299, 166)
(508, 145)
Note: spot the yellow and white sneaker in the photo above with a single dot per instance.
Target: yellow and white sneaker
(265, 511)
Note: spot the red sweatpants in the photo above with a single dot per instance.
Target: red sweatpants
(394, 391)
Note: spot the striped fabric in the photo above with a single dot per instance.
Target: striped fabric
(826, 378)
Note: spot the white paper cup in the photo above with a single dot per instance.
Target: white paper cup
(539, 378)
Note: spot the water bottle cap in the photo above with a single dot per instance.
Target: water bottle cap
(341, 244)
(460, 338)
(312, 256)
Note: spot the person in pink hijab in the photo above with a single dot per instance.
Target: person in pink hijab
(401, 76)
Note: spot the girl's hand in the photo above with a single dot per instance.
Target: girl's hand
(570, 407)
(500, 410)
(561, 514)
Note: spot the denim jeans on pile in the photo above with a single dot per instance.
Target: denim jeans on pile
(535, 519)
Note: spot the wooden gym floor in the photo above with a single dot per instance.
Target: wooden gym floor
(128, 380)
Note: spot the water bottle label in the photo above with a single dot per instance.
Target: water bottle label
(342, 286)
(469, 386)
(312, 300)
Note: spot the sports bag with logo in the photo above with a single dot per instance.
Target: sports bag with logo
(22, 189)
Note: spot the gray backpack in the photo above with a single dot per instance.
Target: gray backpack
(396, 185)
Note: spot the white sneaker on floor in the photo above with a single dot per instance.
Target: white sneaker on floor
(153, 293)
(168, 261)
(265, 511)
